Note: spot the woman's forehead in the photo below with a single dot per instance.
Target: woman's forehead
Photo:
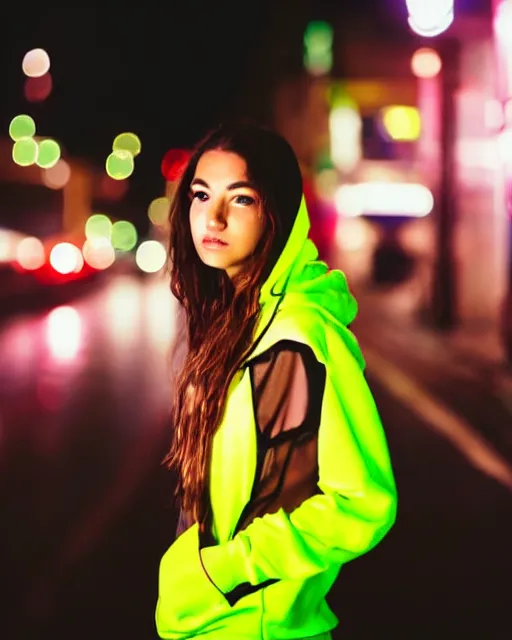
(219, 165)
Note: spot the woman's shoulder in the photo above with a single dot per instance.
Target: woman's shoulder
(300, 324)
(313, 326)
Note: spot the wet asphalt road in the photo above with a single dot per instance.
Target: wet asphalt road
(87, 508)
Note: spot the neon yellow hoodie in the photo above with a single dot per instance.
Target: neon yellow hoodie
(289, 560)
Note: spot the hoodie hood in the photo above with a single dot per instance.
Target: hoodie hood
(300, 279)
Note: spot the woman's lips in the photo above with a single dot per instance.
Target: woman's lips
(214, 243)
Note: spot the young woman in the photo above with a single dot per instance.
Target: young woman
(283, 467)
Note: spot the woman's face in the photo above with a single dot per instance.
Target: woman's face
(226, 212)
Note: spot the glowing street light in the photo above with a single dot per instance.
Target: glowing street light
(426, 63)
(430, 18)
(503, 22)
(503, 29)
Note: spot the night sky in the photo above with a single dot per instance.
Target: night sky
(166, 73)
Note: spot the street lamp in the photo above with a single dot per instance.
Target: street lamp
(426, 63)
(503, 22)
(430, 18)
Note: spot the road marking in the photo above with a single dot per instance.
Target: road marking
(441, 418)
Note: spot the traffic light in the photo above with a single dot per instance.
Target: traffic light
(430, 17)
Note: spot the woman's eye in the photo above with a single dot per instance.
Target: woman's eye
(245, 200)
(200, 195)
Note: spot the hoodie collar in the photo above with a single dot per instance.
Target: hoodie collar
(296, 245)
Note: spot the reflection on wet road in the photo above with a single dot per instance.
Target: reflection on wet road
(87, 508)
(84, 394)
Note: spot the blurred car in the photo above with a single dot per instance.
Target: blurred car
(34, 271)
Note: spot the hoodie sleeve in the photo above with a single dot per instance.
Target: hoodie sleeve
(354, 508)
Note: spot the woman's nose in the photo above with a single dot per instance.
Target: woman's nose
(216, 218)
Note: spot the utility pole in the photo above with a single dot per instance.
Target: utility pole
(444, 286)
(431, 19)
(502, 23)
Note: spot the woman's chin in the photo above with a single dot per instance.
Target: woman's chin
(215, 262)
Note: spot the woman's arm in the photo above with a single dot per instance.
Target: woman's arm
(346, 513)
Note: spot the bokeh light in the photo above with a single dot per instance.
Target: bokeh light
(430, 18)
(318, 41)
(158, 211)
(120, 164)
(22, 126)
(38, 89)
(99, 253)
(124, 235)
(127, 142)
(30, 253)
(64, 333)
(24, 152)
(503, 23)
(98, 226)
(401, 123)
(384, 198)
(345, 127)
(150, 256)
(174, 163)
(48, 154)
(36, 63)
(66, 258)
(8, 245)
(426, 63)
(58, 176)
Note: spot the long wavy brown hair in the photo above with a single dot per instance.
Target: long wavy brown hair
(221, 314)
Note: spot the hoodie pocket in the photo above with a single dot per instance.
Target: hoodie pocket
(187, 599)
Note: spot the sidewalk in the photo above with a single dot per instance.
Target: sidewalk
(464, 370)
(476, 346)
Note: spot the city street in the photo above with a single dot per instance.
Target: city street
(397, 114)
(87, 508)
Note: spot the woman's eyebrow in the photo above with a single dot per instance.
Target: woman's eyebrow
(240, 184)
(234, 185)
(199, 181)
